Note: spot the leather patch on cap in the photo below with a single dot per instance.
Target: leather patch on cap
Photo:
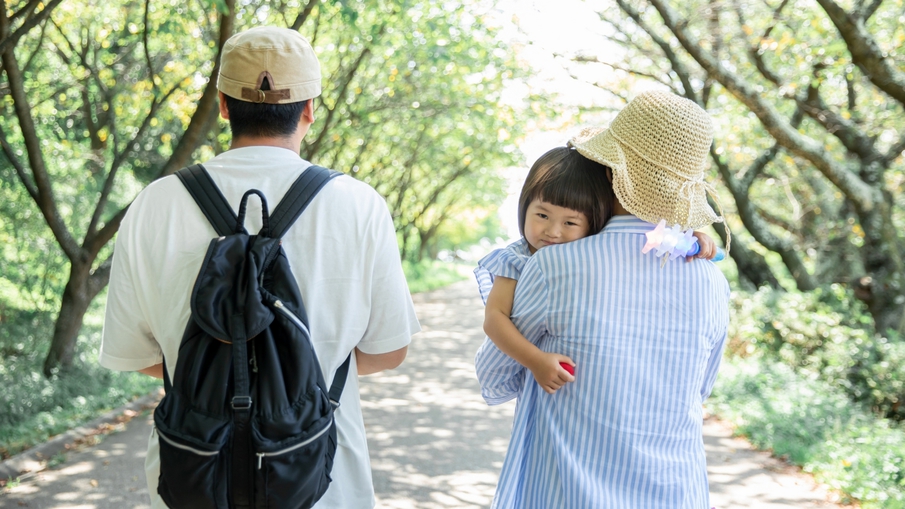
(256, 95)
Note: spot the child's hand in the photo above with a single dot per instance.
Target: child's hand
(708, 247)
(548, 373)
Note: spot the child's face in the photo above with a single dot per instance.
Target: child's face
(547, 224)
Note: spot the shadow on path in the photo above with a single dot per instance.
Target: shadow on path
(434, 442)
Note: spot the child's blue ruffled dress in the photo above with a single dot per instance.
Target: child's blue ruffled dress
(506, 262)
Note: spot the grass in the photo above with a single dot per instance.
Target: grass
(36, 408)
(815, 426)
(429, 275)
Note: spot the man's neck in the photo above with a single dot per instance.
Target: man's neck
(618, 209)
(289, 143)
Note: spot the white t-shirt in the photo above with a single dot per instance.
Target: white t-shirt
(342, 249)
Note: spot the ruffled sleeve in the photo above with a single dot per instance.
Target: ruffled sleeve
(500, 376)
(506, 262)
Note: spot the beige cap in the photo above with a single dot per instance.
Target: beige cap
(658, 148)
(281, 55)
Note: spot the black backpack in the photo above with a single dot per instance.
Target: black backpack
(247, 421)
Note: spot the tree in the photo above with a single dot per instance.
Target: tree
(103, 115)
(416, 111)
(100, 100)
(808, 104)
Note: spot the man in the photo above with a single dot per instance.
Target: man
(342, 249)
(646, 333)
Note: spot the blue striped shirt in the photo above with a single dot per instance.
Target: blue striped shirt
(647, 342)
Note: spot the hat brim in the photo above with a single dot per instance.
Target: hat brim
(637, 188)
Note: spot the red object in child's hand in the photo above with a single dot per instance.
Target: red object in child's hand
(568, 367)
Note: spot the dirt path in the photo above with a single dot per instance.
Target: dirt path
(434, 443)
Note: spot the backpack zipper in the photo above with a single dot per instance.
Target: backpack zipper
(262, 455)
(278, 304)
(254, 358)
(172, 442)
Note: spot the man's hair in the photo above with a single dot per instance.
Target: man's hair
(262, 119)
(565, 178)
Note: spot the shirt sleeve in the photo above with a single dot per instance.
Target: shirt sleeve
(392, 320)
(529, 304)
(719, 344)
(500, 376)
(127, 343)
(506, 262)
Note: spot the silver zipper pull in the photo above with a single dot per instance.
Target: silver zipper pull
(260, 460)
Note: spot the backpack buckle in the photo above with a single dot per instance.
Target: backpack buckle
(335, 404)
(241, 402)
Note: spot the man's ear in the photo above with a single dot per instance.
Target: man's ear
(224, 111)
(308, 112)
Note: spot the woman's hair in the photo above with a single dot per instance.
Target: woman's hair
(262, 119)
(565, 178)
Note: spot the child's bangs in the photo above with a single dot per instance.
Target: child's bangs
(569, 190)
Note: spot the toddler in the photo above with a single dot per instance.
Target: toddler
(566, 197)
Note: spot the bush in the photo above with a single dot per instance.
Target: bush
(429, 275)
(825, 334)
(36, 408)
(815, 425)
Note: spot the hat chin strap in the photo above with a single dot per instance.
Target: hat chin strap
(688, 190)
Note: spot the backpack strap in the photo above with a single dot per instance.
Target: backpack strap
(298, 197)
(339, 381)
(209, 198)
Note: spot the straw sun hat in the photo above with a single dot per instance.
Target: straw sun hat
(657, 147)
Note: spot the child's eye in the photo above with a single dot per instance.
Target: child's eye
(542, 216)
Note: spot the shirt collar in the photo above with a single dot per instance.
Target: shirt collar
(627, 224)
(259, 153)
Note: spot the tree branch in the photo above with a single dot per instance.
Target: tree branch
(756, 226)
(581, 59)
(867, 11)
(99, 277)
(109, 230)
(27, 10)
(851, 137)
(300, 19)
(894, 152)
(20, 170)
(862, 194)
(866, 54)
(341, 93)
(94, 241)
(9, 40)
(754, 51)
(206, 112)
(678, 66)
(45, 199)
(147, 49)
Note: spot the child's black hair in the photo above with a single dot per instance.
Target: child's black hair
(565, 178)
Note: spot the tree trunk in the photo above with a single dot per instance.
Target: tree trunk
(883, 287)
(75, 303)
(753, 271)
(84, 284)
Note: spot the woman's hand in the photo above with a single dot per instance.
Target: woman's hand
(548, 373)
